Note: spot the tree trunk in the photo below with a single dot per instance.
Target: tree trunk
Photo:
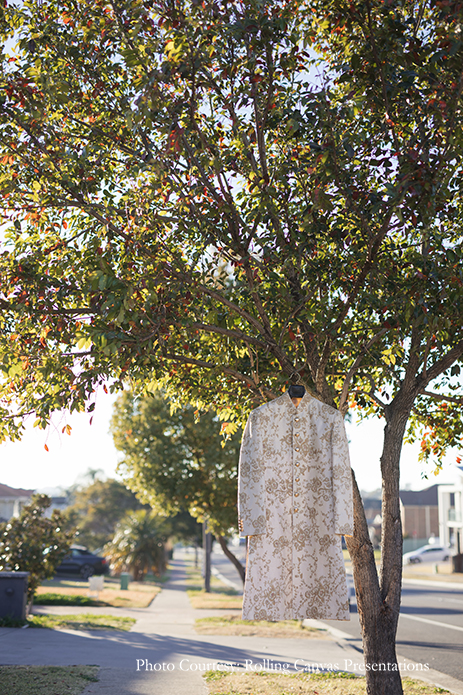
(378, 599)
(232, 558)
(207, 548)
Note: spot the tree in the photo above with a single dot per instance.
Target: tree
(139, 544)
(184, 528)
(178, 461)
(98, 508)
(191, 206)
(34, 543)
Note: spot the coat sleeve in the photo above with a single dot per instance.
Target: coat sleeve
(342, 479)
(251, 483)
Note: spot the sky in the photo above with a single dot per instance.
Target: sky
(28, 465)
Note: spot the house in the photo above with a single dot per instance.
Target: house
(419, 512)
(372, 507)
(451, 514)
(59, 502)
(12, 500)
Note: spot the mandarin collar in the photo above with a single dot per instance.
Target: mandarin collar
(305, 400)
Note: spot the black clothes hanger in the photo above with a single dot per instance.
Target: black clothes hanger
(296, 390)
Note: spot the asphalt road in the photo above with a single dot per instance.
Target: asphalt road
(225, 567)
(430, 625)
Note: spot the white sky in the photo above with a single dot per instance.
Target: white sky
(27, 464)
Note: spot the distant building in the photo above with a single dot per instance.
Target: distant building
(451, 514)
(419, 513)
(12, 500)
(59, 502)
(372, 507)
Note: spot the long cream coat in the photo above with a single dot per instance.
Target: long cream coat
(294, 502)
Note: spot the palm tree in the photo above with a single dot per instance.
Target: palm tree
(139, 544)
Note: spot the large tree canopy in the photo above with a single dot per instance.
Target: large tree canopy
(212, 196)
(193, 203)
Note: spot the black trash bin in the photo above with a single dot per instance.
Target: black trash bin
(457, 562)
(13, 595)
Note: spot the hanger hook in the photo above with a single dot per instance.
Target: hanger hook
(299, 378)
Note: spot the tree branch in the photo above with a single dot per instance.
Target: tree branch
(442, 397)
(227, 552)
(439, 366)
(350, 374)
(208, 328)
(379, 67)
(226, 370)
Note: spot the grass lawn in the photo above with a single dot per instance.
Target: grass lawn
(232, 625)
(49, 598)
(221, 683)
(46, 680)
(74, 592)
(220, 597)
(81, 621)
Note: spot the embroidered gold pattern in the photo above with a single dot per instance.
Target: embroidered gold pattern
(295, 565)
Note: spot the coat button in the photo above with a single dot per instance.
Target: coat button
(296, 509)
(296, 494)
(297, 480)
(297, 463)
(296, 419)
(297, 449)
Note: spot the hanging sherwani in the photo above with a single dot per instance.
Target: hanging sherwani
(294, 503)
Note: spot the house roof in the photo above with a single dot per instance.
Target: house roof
(371, 503)
(416, 498)
(7, 491)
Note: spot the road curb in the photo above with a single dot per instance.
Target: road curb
(320, 625)
(226, 581)
(437, 678)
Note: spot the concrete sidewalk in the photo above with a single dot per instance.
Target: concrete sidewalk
(162, 654)
(163, 646)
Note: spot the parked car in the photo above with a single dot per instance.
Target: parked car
(81, 561)
(427, 553)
